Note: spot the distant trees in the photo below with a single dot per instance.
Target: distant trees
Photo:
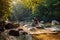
(46, 10)
(25, 9)
(49, 10)
(31, 4)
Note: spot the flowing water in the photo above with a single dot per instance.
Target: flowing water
(43, 36)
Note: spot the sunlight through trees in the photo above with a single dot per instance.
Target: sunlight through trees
(31, 4)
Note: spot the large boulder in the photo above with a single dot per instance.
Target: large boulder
(14, 33)
(9, 26)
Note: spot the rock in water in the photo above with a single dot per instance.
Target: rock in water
(14, 33)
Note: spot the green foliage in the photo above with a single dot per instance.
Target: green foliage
(31, 4)
(46, 10)
(49, 10)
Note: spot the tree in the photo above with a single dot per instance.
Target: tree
(5, 9)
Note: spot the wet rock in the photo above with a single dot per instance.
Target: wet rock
(54, 22)
(9, 26)
(14, 33)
